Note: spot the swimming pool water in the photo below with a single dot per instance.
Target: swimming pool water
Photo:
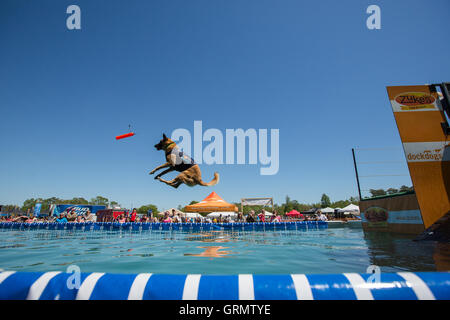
(321, 250)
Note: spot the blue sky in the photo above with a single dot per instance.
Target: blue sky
(311, 69)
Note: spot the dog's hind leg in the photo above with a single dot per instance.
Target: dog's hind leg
(173, 183)
(177, 184)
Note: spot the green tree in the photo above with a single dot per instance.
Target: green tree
(9, 208)
(99, 201)
(193, 202)
(325, 201)
(114, 204)
(288, 206)
(82, 200)
(392, 191)
(28, 204)
(340, 204)
(247, 209)
(288, 200)
(405, 188)
(146, 208)
(377, 192)
(303, 207)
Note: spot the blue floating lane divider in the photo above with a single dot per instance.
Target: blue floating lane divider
(115, 226)
(147, 286)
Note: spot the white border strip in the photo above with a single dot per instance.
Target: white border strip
(246, 289)
(5, 274)
(138, 286)
(39, 285)
(86, 288)
(190, 291)
(419, 287)
(302, 287)
(359, 286)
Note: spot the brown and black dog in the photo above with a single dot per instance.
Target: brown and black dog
(190, 173)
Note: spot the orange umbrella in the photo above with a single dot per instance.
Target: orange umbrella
(211, 203)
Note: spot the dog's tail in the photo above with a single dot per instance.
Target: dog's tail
(213, 182)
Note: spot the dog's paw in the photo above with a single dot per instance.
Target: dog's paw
(156, 178)
(151, 172)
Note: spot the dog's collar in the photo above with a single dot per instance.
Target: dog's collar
(170, 145)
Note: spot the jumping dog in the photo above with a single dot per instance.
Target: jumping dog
(190, 173)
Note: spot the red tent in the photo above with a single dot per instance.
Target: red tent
(294, 213)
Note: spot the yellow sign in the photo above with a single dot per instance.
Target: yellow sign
(418, 114)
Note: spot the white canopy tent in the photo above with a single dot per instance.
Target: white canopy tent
(223, 214)
(327, 210)
(191, 215)
(351, 208)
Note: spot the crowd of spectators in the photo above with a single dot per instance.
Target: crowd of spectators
(69, 216)
(167, 217)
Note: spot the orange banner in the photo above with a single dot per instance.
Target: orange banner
(418, 114)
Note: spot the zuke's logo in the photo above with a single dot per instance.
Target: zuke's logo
(415, 100)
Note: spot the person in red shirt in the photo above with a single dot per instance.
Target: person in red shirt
(133, 215)
(262, 216)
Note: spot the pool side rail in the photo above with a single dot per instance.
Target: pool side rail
(147, 286)
(142, 226)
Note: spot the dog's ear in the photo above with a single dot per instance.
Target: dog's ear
(164, 136)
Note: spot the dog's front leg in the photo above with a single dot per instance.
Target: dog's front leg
(164, 172)
(165, 165)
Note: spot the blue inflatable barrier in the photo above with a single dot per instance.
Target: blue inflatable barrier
(147, 286)
(127, 226)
